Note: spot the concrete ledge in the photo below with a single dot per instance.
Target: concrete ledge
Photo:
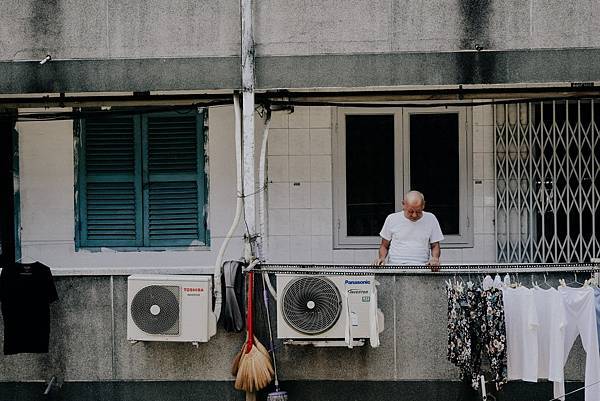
(311, 71)
(297, 390)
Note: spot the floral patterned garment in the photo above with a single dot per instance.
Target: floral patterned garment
(492, 332)
(476, 329)
(459, 335)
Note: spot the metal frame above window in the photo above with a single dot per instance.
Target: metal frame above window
(401, 175)
(141, 180)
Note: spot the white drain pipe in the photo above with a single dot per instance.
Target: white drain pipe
(238, 206)
(263, 246)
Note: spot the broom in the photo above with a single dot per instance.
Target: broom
(236, 360)
(255, 370)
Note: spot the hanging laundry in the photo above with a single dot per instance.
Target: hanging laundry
(476, 329)
(506, 280)
(488, 282)
(551, 322)
(580, 313)
(498, 282)
(459, 330)
(26, 291)
(521, 333)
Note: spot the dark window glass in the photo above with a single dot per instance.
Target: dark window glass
(369, 172)
(434, 166)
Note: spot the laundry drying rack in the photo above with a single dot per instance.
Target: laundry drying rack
(358, 269)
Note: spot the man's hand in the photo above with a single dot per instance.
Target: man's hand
(434, 264)
(379, 261)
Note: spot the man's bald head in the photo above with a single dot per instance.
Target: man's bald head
(414, 198)
(413, 205)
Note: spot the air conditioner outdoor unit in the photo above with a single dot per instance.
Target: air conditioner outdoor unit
(170, 308)
(328, 310)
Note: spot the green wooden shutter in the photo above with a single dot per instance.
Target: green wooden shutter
(110, 182)
(174, 189)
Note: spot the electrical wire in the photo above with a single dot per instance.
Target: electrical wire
(272, 99)
(114, 111)
(461, 103)
(573, 392)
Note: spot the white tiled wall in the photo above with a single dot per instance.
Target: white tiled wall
(300, 191)
(483, 189)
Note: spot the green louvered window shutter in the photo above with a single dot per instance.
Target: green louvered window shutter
(110, 182)
(142, 180)
(174, 183)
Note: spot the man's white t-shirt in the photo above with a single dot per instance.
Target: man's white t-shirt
(520, 316)
(410, 240)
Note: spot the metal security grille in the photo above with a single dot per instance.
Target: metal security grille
(547, 161)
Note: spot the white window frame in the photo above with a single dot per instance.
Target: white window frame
(402, 172)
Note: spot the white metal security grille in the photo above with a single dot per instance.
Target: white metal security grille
(547, 181)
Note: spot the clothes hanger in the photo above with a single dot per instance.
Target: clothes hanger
(22, 258)
(575, 281)
(548, 286)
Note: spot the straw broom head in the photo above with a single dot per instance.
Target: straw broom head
(255, 371)
(236, 361)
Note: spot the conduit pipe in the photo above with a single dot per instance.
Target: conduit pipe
(238, 206)
(262, 182)
(247, 55)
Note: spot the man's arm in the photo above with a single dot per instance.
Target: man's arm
(435, 255)
(383, 251)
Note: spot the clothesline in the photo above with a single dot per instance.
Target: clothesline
(559, 398)
(357, 269)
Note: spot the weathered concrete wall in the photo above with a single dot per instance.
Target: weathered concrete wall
(132, 29)
(84, 347)
(70, 29)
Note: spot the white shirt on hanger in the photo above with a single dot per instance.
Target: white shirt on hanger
(551, 325)
(521, 334)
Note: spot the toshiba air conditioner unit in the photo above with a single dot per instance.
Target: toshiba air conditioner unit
(328, 310)
(170, 308)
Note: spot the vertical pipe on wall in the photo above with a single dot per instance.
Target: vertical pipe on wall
(262, 244)
(247, 55)
(238, 206)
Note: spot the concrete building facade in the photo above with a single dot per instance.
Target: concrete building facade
(484, 61)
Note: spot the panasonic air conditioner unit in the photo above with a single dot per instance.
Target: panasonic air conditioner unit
(332, 310)
(170, 308)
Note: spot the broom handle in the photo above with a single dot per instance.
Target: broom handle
(250, 308)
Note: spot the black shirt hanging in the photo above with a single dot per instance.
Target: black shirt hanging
(26, 291)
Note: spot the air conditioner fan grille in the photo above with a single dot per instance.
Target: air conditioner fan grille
(311, 305)
(155, 309)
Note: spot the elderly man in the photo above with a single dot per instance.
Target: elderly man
(412, 236)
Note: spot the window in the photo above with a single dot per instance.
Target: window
(141, 180)
(383, 153)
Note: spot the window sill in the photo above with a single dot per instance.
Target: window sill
(126, 271)
(114, 249)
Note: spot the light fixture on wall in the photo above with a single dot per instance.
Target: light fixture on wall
(46, 59)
